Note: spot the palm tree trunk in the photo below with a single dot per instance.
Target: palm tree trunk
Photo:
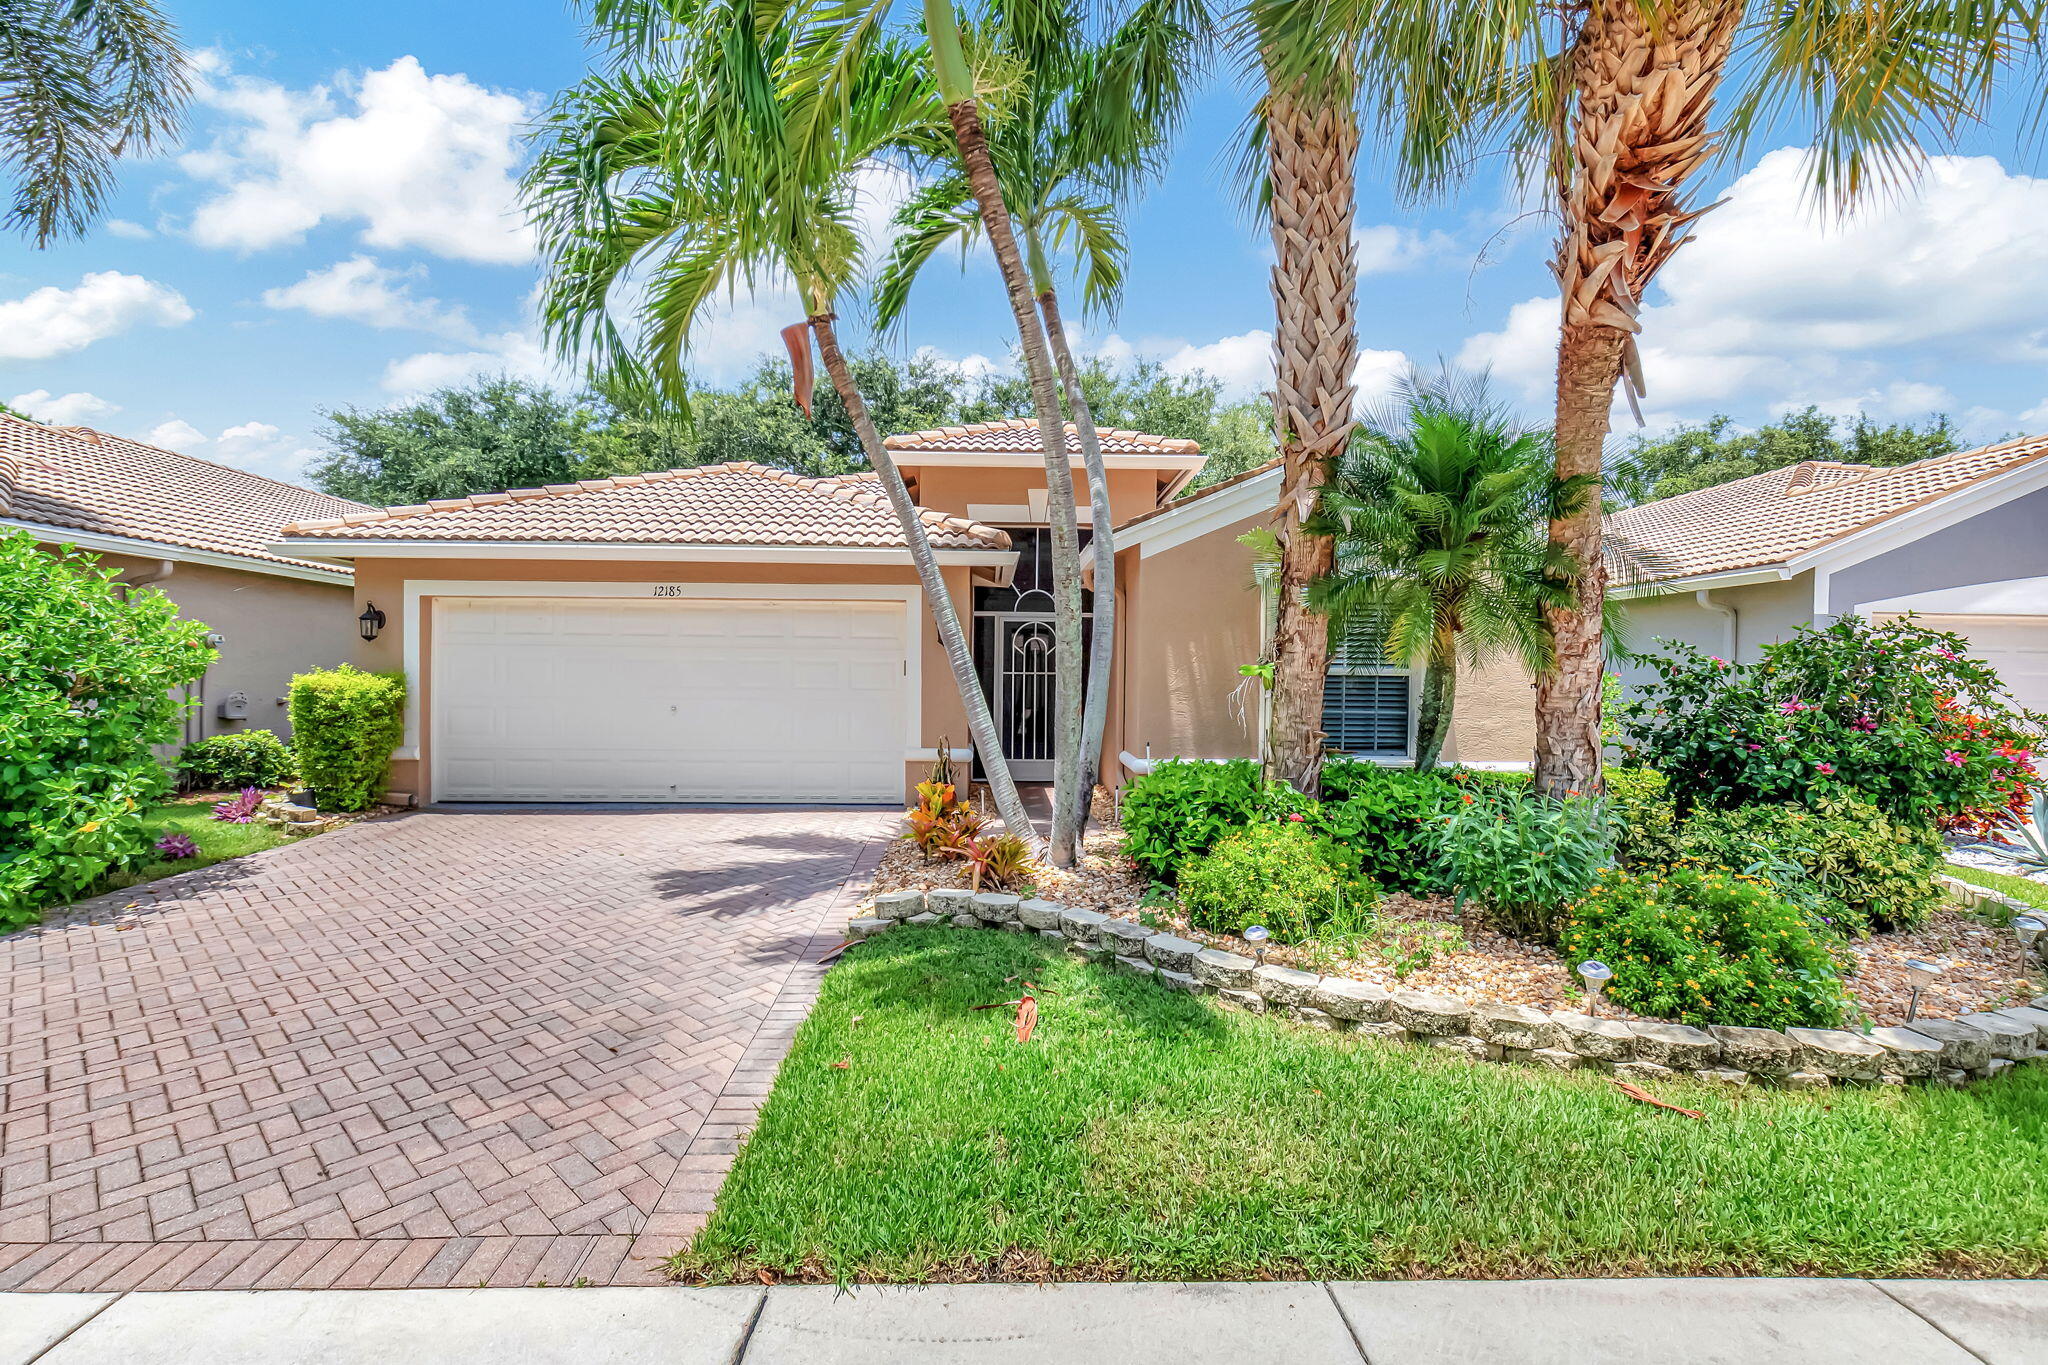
(1059, 479)
(1643, 82)
(1439, 699)
(1101, 545)
(981, 726)
(1312, 153)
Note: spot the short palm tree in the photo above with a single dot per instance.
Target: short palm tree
(691, 180)
(82, 82)
(1087, 121)
(1439, 511)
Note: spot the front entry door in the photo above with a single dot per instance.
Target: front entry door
(1026, 694)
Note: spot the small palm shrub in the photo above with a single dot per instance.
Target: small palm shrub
(253, 758)
(1525, 857)
(1279, 875)
(1707, 946)
(1872, 872)
(1180, 810)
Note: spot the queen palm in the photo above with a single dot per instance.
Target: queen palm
(81, 83)
(1438, 511)
(692, 181)
(1085, 123)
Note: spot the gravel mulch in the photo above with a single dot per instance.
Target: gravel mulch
(1984, 969)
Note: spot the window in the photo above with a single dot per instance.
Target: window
(1365, 699)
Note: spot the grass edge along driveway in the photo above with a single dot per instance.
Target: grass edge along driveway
(1148, 1135)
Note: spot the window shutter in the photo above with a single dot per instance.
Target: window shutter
(1365, 701)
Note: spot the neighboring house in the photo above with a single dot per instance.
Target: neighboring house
(1961, 540)
(199, 533)
(738, 633)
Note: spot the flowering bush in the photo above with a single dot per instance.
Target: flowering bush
(1279, 875)
(1525, 857)
(1894, 712)
(1870, 872)
(1707, 947)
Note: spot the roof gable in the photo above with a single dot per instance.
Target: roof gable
(1780, 515)
(77, 479)
(735, 504)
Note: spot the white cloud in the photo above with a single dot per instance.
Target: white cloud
(259, 447)
(515, 353)
(1773, 306)
(1244, 362)
(1385, 248)
(420, 161)
(62, 409)
(121, 227)
(52, 321)
(176, 434)
(361, 290)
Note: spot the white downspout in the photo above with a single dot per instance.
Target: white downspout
(1705, 597)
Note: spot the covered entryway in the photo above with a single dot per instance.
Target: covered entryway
(668, 699)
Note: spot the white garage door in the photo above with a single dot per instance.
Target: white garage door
(673, 699)
(2018, 649)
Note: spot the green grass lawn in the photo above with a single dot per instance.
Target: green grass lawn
(2019, 888)
(217, 840)
(1151, 1135)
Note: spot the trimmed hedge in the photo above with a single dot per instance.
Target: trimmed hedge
(345, 723)
(253, 758)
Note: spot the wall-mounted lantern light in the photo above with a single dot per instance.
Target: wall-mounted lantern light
(370, 622)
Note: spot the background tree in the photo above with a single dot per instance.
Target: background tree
(1703, 455)
(1439, 511)
(82, 82)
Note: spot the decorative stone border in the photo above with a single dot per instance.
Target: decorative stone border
(1939, 1051)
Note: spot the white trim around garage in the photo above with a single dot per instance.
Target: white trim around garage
(99, 543)
(910, 595)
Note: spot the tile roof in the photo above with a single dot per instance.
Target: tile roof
(1776, 516)
(73, 478)
(1019, 435)
(720, 504)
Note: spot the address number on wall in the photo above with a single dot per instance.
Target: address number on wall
(668, 589)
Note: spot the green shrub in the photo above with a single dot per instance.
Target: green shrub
(1644, 816)
(1707, 947)
(1180, 810)
(1390, 820)
(1279, 875)
(253, 758)
(1871, 871)
(87, 671)
(1524, 857)
(1868, 709)
(345, 723)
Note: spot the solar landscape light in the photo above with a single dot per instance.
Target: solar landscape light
(2028, 929)
(1596, 975)
(1256, 935)
(1924, 974)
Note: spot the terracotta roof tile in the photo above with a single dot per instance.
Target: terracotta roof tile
(1778, 515)
(73, 478)
(721, 504)
(1019, 435)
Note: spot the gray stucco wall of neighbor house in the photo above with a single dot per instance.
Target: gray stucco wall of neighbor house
(272, 627)
(2008, 541)
(1764, 612)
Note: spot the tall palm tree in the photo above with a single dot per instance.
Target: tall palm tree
(1439, 511)
(693, 180)
(82, 82)
(1087, 122)
(1626, 102)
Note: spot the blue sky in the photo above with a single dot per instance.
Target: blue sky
(337, 228)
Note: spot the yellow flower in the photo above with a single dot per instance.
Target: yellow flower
(88, 827)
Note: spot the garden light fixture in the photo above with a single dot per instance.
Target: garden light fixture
(2028, 929)
(370, 622)
(1256, 935)
(1924, 974)
(1596, 975)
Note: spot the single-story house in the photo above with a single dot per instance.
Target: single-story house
(1961, 540)
(200, 533)
(740, 633)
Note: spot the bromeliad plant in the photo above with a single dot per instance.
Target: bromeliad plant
(1003, 860)
(242, 808)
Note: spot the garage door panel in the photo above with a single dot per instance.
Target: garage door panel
(672, 699)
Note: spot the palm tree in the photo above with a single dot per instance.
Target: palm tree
(694, 178)
(1086, 125)
(1438, 511)
(82, 82)
(1625, 104)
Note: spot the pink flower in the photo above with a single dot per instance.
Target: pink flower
(1827, 769)
(1951, 756)
(1793, 707)
(1863, 723)
(1755, 748)
(1945, 652)
(1295, 818)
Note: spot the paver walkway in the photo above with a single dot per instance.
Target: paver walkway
(445, 1048)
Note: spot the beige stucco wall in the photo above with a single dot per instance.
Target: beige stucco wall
(953, 489)
(272, 627)
(384, 581)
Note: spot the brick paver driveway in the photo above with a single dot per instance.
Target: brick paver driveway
(439, 1049)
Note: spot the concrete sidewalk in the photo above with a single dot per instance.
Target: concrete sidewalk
(1442, 1322)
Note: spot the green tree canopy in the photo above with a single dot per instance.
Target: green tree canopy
(1695, 457)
